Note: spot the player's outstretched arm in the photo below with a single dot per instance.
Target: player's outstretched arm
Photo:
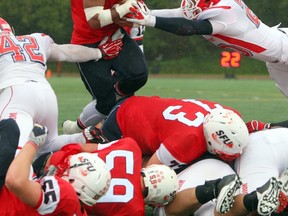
(78, 53)
(17, 178)
(176, 25)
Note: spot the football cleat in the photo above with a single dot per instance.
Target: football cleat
(227, 188)
(268, 197)
(94, 135)
(283, 195)
(70, 127)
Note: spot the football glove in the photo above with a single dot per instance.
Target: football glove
(142, 17)
(256, 125)
(93, 134)
(38, 135)
(110, 49)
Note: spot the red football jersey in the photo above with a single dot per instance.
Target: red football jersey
(124, 197)
(124, 160)
(12, 206)
(82, 32)
(172, 127)
(58, 198)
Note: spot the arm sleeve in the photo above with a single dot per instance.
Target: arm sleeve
(73, 53)
(182, 26)
(279, 124)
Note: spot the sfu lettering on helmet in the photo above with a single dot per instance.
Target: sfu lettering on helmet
(192, 8)
(5, 28)
(89, 176)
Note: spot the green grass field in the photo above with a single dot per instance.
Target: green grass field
(254, 98)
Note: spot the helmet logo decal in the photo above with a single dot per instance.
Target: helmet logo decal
(87, 163)
(223, 137)
(84, 172)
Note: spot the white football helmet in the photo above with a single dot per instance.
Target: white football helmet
(89, 176)
(192, 8)
(226, 133)
(5, 28)
(161, 184)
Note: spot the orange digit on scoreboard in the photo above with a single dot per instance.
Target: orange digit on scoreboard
(230, 59)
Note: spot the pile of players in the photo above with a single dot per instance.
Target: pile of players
(179, 156)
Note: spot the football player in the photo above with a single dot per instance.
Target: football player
(227, 24)
(158, 183)
(86, 179)
(93, 20)
(131, 185)
(266, 152)
(175, 132)
(193, 197)
(26, 95)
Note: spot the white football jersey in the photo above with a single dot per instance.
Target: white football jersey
(196, 174)
(23, 58)
(243, 32)
(265, 156)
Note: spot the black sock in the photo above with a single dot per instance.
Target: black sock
(207, 192)
(250, 201)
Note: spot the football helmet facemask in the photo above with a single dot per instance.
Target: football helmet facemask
(192, 8)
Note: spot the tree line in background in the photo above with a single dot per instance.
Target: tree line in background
(53, 17)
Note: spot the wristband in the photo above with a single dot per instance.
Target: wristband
(92, 11)
(104, 17)
(99, 53)
(123, 9)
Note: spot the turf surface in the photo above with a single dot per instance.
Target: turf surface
(254, 98)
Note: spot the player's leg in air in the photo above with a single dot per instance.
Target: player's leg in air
(91, 116)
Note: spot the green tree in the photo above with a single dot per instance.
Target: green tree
(51, 17)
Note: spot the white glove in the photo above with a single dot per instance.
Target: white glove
(142, 17)
(38, 135)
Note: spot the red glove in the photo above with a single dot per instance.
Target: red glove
(256, 125)
(111, 49)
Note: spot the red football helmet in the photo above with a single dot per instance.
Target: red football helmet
(5, 28)
(192, 8)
